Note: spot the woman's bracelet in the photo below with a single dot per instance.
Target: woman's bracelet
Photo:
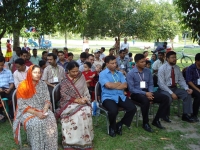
(33, 112)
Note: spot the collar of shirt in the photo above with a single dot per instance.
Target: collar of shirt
(161, 61)
(108, 71)
(98, 60)
(194, 66)
(61, 63)
(135, 69)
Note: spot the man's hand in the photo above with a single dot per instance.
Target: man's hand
(174, 96)
(149, 95)
(7, 91)
(189, 91)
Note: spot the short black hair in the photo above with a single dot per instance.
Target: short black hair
(42, 63)
(20, 61)
(44, 52)
(138, 57)
(53, 55)
(161, 53)
(34, 49)
(23, 51)
(61, 52)
(109, 58)
(170, 53)
(70, 54)
(148, 62)
(111, 49)
(89, 56)
(65, 48)
(103, 48)
(2, 59)
(18, 48)
(145, 52)
(197, 57)
(130, 54)
(72, 65)
(103, 66)
(83, 55)
(121, 50)
(88, 64)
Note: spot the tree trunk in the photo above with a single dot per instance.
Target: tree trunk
(1, 35)
(65, 38)
(16, 34)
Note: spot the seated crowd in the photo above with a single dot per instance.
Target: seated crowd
(123, 84)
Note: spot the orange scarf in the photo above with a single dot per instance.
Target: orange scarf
(26, 88)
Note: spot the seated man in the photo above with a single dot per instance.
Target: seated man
(20, 74)
(24, 55)
(53, 73)
(35, 58)
(89, 58)
(81, 61)
(123, 62)
(140, 84)
(193, 80)
(62, 61)
(169, 75)
(6, 86)
(113, 84)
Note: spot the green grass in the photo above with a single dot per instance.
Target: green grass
(133, 139)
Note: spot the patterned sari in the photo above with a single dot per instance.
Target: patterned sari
(76, 119)
(41, 133)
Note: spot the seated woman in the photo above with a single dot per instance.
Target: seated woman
(33, 112)
(75, 110)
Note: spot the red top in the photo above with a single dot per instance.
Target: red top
(66, 55)
(87, 75)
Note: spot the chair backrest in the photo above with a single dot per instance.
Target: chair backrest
(55, 95)
(155, 80)
(14, 100)
(98, 92)
(184, 72)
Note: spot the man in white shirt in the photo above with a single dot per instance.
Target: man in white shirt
(125, 45)
(102, 55)
(21, 72)
(158, 63)
(97, 59)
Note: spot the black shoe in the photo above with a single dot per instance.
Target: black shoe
(186, 117)
(157, 124)
(119, 128)
(166, 119)
(112, 132)
(147, 127)
(195, 118)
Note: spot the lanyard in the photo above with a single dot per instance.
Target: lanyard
(54, 71)
(142, 79)
(122, 62)
(114, 78)
(197, 73)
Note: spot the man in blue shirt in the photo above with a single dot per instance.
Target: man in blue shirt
(6, 85)
(123, 62)
(113, 84)
(193, 80)
(140, 84)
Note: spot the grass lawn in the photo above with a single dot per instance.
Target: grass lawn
(178, 134)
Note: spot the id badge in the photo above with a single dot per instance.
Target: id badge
(55, 79)
(198, 81)
(122, 66)
(142, 84)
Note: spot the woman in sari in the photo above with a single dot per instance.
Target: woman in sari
(8, 52)
(75, 111)
(33, 112)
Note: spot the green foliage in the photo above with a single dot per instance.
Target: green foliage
(189, 15)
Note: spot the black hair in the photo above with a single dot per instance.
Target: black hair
(42, 63)
(88, 64)
(130, 54)
(20, 61)
(65, 48)
(44, 52)
(34, 49)
(170, 53)
(103, 48)
(138, 57)
(8, 41)
(111, 49)
(70, 54)
(83, 55)
(55, 49)
(109, 58)
(23, 51)
(61, 52)
(53, 55)
(89, 56)
(121, 50)
(197, 57)
(18, 48)
(2, 59)
(103, 66)
(161, 53)
(35, 66)
(148, 62)
(72, 65)
(144, 52)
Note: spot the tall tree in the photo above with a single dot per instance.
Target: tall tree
(190, 15)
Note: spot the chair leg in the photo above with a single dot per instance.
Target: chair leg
(178, 107)
(137, 114)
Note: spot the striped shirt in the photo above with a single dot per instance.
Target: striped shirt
(6, 78)
(164, 77)
(192, 74)
(51, 72)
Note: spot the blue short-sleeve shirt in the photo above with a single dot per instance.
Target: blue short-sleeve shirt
(6, 78)
(112, 94)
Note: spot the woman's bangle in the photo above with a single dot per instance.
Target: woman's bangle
(45, 108)
(33, 112)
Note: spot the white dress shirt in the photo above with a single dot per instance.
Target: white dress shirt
(157, 64)
(124, 45)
